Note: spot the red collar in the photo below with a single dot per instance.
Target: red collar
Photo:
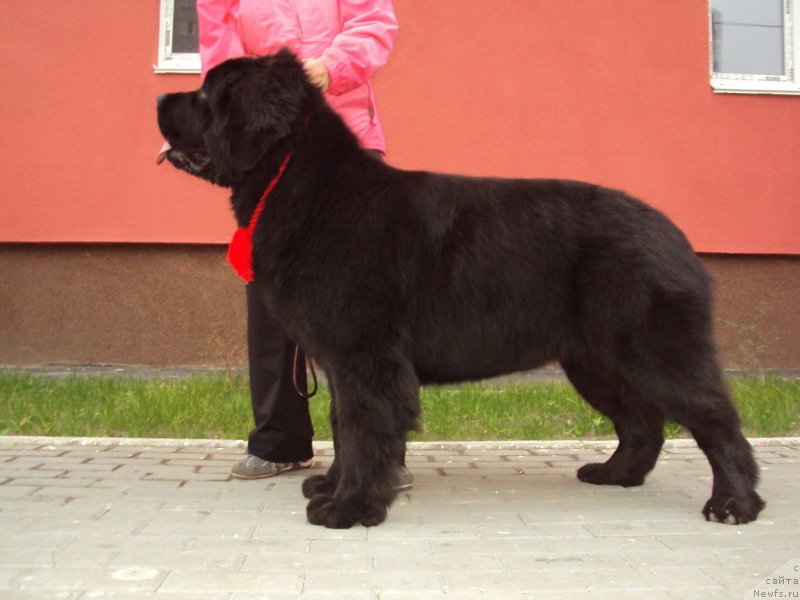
(240, 250)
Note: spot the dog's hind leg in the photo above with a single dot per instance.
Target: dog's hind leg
(677, 366)
(639, 426)
(376, 404)
(707, 412)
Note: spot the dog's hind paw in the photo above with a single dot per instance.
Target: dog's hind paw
(322, 510)
(317, 485)
(736, 509)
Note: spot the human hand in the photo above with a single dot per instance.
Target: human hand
(317, 73)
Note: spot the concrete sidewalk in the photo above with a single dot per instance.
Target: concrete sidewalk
(117, 518)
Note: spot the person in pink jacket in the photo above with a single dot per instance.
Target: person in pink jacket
(342, 43)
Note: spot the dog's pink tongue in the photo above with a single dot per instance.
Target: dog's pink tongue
(162, 154)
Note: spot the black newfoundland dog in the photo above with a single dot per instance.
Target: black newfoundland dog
(391, 279)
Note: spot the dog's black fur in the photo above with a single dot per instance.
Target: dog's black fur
(391, 279)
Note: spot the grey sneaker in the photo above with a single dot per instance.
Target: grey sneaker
(405, 481)
(253, 467)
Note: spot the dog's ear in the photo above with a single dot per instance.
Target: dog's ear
(253, 104)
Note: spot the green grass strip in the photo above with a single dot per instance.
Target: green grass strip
(218, 407)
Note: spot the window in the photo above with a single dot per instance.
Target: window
(754, 46)
(177, 34)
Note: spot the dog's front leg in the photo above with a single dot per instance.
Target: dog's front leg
(366, 490)
(325, 485)
(372, 416)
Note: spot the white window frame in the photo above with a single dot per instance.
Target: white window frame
(734, 83)
(169, 61)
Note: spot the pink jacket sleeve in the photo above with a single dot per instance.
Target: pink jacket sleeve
(218, 39)
(369, 29)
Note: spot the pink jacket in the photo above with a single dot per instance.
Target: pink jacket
(352, 38)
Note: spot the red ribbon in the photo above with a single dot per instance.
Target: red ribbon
(240, 250)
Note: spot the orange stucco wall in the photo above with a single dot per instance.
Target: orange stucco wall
(614, 92)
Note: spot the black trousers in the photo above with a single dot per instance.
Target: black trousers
(283, 429)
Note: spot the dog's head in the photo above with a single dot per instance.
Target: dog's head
(221, 131)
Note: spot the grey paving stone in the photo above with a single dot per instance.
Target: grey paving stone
(133, 578)
(592, 594)
(500, 583)
(42, 480)
(650, 578)
(552, 561)
(227, 581)
(162, 519)
(307, 563)
(388, 547)
(305, 595)
(170, 558)
(407, 582)
(102, 544)
(437, 564)
(27, 558)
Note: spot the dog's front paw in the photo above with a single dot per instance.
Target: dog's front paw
(605, 474)
(323, 510)
(738, 509)
(317, 485)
